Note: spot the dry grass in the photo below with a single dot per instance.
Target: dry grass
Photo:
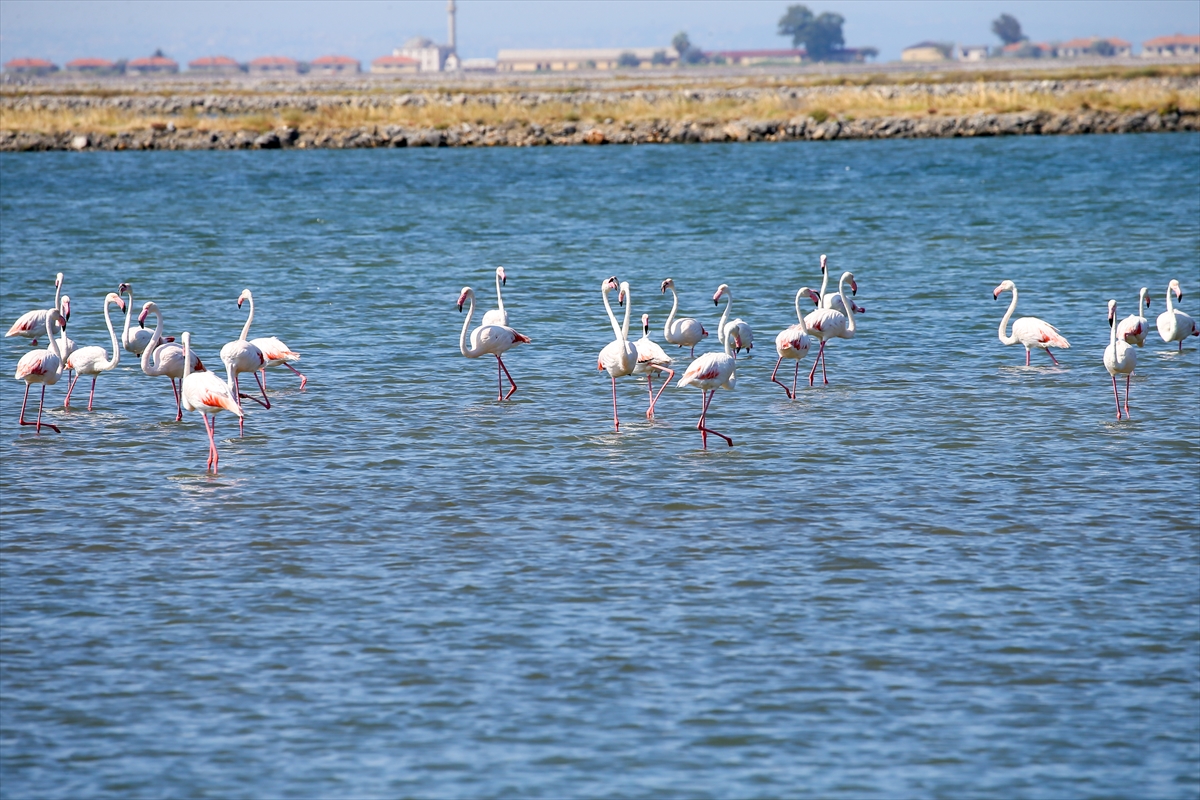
(862, 101)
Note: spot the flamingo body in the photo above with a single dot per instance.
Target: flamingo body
(1028, 331)
(1120, 358)
(488, 340)
(1174, 325)
(1133, 329)
(682, 332)
(209, 395)
(43, 367)
(31, 324)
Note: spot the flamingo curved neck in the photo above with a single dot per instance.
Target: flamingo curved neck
(1142, 301)
(799, 315)
(155, 338)
(612, 318)
(499, 297)
(57, 295)
(116, 357)
(1012, 306)
(128, 314)
(249, 319)
(1170, 305)
(724, 316)
(187, 363)
(624, 335)
(824, 284)
(671, 316)
(850, 326)
(1112, 329)
(53, 345)
(462, 337)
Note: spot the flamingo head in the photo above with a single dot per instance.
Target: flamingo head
(1174, 287)
(823, 259)
(737, 342)
(58, 279)
(114, 298)
(1112, 312)
(1145, 296)
(66, 310)
(849, 276)
(149, 308)
(816, 298)
(245, 295)
(646, 324)
(610, 284)
(123, 288)
(1006, 286)
(667, 284)
(463, 295)
(859, 310)
(500, 274)
(623, 293)
(722, 289)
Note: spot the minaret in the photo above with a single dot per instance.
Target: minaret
(450, 23)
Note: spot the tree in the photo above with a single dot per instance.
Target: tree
(659, 58)
(628, 59)
(688, 52)
(821, 36)
(1008, 29)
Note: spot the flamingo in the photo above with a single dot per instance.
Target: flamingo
(835, 301)
(829, 323)
(619, 357)
(1174, 325)
(651, 359)
(93, 360)
(710, 372)
(165, 358)
(497, 316)
(274, 351)
(208, 394)
(134, 341)
(745, 335)
(31, 323)
(42, 366)
(1133, 328)
(684, 332)
(493, 339)
(794, 342)
(1119, 357)
(1029, 331)
(241, 356)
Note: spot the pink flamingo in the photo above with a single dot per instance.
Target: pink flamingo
(710, 372)
(683, 332)
(619, 357)
(42, 366)
(497, 316)
(1133, 328)
(829, 323)
(274, 351)
(31, 323)
(134, 341)
(835, 301)
(745, 335)
(794, 342)
(1174, 325)
(208, 394)
(93, 360)
(242, 356)
(1029, 331)
(651, 359)
(165, 359)
(488, 339)
(1119, 358)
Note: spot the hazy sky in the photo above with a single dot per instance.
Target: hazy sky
(185, 29)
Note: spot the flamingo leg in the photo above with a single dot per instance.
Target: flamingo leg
(700, 425)
(705, 429)
(1027, 356)
(265, 402)
(795, 378)
(23, 402)
(1127, 377)
(1052, 358)
(774, 380)
(813, 371)
(303, 380)
(178, 407)
(824, 377)
(264, 378)
(1116, 397)
(237, 394)
(510, 380)
(693, 350)
(661, 389)
(616, 422)
(70, 388)
(210, 427)
(92, 393)
(499, 383)
(39, 419)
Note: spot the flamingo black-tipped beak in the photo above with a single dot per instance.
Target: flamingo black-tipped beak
(142, 320)
(853, 287)
(715, 302)
(460, 305)
(239, 302)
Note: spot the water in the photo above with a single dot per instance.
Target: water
(943, 575)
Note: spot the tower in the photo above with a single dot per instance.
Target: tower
(450, 24)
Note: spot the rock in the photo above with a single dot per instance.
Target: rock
(268, 141)
(80, 142)
(595, 136)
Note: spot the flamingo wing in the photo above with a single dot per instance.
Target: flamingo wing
(28, 324)
(1035, 332)
(35, 362)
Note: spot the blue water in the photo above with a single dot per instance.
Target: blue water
(943, 575)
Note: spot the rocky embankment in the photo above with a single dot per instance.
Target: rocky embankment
(514, 134)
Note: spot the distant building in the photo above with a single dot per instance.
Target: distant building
(1029, 50)
(157, 64)
(334, 65)
(395, 65)
(274, 65)
(973, 52)
(1166, 46)
(215, 65)
(93, 66)
(479, 65)
(431, 57)
(572, 59)
(926, 51)
(1094, 46)
(30, 66)
(748, 57)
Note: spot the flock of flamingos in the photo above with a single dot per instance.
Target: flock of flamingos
(833, 318)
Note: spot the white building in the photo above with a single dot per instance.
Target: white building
(583, 58)
(972, 52)
(433, 57)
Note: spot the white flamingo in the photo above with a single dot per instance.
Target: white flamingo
(685, 331)
(93, 360)
(835, 301)
(710, 372)
(828, 323)
(32, 323)
(794, 342)
(134, 341)
(650, 359)
(1119, 358)
(488, 340)
(207, 394)
(1133, 328)
(745, 335)
(1029, 331)
(1173, 324)
(497, 316)
(42, 366)
(241, 356)
(275, 353)
(160, 358)
(619, 357)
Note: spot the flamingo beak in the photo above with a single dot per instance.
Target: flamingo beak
(120, 304)
(142, 319)
(853, 287)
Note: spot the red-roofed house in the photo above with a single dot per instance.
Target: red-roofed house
(333, 65)
(274, 65)
(1166, 46)
(395, 65)
(215, 65)
(157, 64)
(1029, 50)
(93, 66)
(1095, 46)
(30, 66)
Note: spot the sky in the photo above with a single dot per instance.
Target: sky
(61, 30)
